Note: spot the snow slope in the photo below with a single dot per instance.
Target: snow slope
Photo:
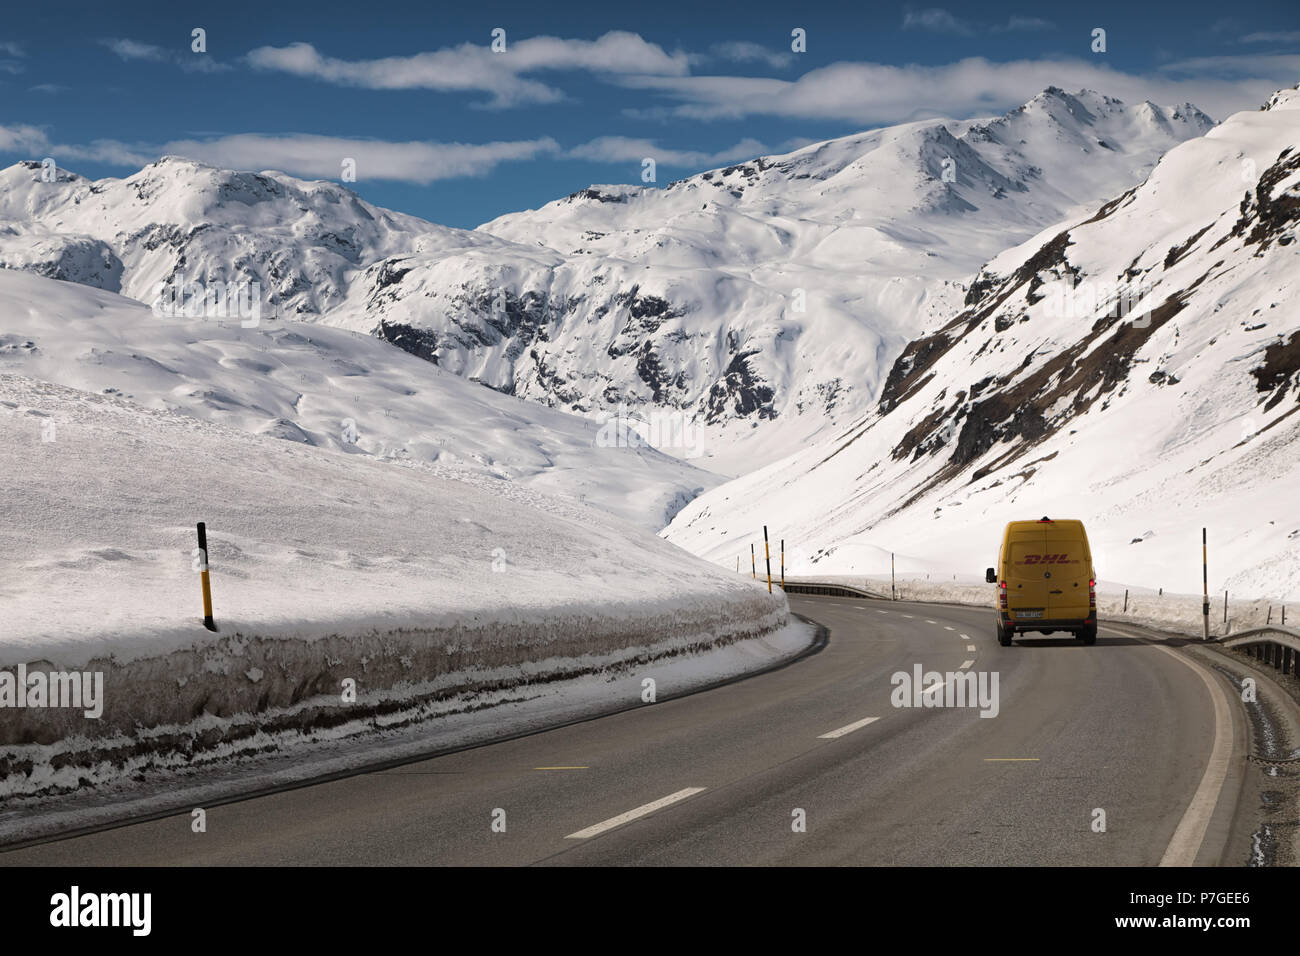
(98, 528)
(329, 388)
(691, 291)
(1148, 417)
(419, 582)
(762, 303)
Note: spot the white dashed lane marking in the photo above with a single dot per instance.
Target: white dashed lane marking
(848, 728)
(636, 814)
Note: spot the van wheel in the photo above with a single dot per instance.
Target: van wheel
(1089, 636)
(1004, 637)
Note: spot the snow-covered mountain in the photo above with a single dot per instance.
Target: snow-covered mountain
(1138, 368)
(328, 388)
(181, 221)
(772, 293)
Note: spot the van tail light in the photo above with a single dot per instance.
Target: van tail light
(1092, 597)
(1002, 595)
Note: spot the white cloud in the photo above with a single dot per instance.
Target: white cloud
(1016, 23)
(743, 51)
(935, 20)
(1278, 36)
(13, 53)
(874, 93)
(108, 151)
(322, 156)
(620, 149)
(186, 60)
(298, 154)
(22, 139)
(938, 20)
(477, 68)
(132, 50)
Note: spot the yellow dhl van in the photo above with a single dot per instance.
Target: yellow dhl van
(1046, 581)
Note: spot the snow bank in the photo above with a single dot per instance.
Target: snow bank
(418, 582)
(63, 789)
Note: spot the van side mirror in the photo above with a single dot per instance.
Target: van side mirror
(991, 576)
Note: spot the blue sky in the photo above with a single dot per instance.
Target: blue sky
(442, 127)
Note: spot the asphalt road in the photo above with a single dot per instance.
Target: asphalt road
(1125, 727)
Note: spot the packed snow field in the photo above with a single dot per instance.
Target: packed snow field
(1138, 369)
(407, 577)
(328, 388)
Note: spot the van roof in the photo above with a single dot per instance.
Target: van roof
(1038, 523)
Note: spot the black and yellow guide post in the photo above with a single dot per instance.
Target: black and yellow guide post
(767, 556)
(208, 622)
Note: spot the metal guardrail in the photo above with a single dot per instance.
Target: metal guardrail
(833, 590)
(1276, 645)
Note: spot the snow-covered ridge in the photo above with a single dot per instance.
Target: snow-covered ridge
(1138, 368)
(762, 301)
(328, 388)
(180, 220)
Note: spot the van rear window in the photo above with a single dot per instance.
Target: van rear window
(1026, 552)
(1063, 551)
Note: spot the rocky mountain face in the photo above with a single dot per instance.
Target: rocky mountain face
(759, 305)
(1138, 367)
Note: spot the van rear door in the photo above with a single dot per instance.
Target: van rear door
(1068, 566)
(1026, 594)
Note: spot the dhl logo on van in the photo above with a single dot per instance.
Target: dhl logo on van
(1048, 559)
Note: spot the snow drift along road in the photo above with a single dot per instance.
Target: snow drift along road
(411, 579)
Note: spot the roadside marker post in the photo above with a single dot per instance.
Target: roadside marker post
(208, 622)
(1205, 588)
(783, 564)
(753, 564)
(767, 556)
(893, 596)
